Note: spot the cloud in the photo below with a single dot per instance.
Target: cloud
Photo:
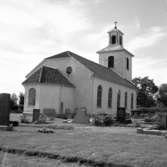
(147, 39)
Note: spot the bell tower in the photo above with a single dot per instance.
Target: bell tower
(115, 36)
(115, 56)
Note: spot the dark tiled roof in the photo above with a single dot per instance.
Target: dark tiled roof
(114, 49)
(48, 75)
(98, 70)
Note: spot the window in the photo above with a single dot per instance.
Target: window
(31, 96)
(120, 40)
(132, 101)
(126, 99)
(110, 98)
(118, 99)
(99, 96)
(111, 62)
(127, 63)
(113, 39)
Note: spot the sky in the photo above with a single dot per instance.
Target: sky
(31, 30)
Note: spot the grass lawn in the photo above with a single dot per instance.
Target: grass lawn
(117, 145)
(11, 160)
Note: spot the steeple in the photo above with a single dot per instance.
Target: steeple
(115, 36)
(115, 56)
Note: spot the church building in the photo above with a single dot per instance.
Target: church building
(67, 81)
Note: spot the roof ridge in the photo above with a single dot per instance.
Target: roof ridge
(98, 69)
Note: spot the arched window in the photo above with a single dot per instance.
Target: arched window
(113, 39)
(31, 96)
(120, 40)
(99, 96)
(127, 63)
(110, 98)
(110, 61)
(132, 101)
(118, 99)
(126, 99)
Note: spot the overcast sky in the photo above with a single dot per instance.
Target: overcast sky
(31, 30)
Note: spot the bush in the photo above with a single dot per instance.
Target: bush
(103, 120)
(62, 116)
(10, 127)
(128, 121)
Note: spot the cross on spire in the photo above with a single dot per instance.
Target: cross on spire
(115, 24)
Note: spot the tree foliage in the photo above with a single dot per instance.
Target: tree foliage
(21, 99)
(13, 101)
(146, 89)
(161, 96)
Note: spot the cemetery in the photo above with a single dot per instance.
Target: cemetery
(76, 141)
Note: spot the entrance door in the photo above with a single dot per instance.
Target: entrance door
(61, 107)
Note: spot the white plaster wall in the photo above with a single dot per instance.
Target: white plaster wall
(67, 97)
(82, 80)
(119, 63)
(49, 97)
(115, 88)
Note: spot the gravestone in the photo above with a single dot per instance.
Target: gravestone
(121, 114)
(81, 116)
(4, 108)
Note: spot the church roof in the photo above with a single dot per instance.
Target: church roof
(117, 48)
(116, 30)
(98, 70)
(47, 75)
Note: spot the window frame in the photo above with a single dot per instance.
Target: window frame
(126, 99)
(132, 101)
(111, 62)
(99, 96)
(127, 63)
(113, 39)
(110, 97)
(32, 97)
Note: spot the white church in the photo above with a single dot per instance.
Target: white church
(67, 81)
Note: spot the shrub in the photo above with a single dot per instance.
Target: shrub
(108, 121)
(49, 112)
(103, 120)
(10, 127)
(128, 121)
(62, 116)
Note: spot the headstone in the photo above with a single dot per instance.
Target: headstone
(4, 108)
(81, 116)
(121, 114)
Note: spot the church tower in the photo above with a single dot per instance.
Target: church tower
(115, 56)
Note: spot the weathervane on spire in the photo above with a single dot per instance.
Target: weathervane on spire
(115, 24)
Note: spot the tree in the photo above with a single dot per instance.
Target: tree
(146, 89)
(161, 95)
(21, 99)
(13, 101)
